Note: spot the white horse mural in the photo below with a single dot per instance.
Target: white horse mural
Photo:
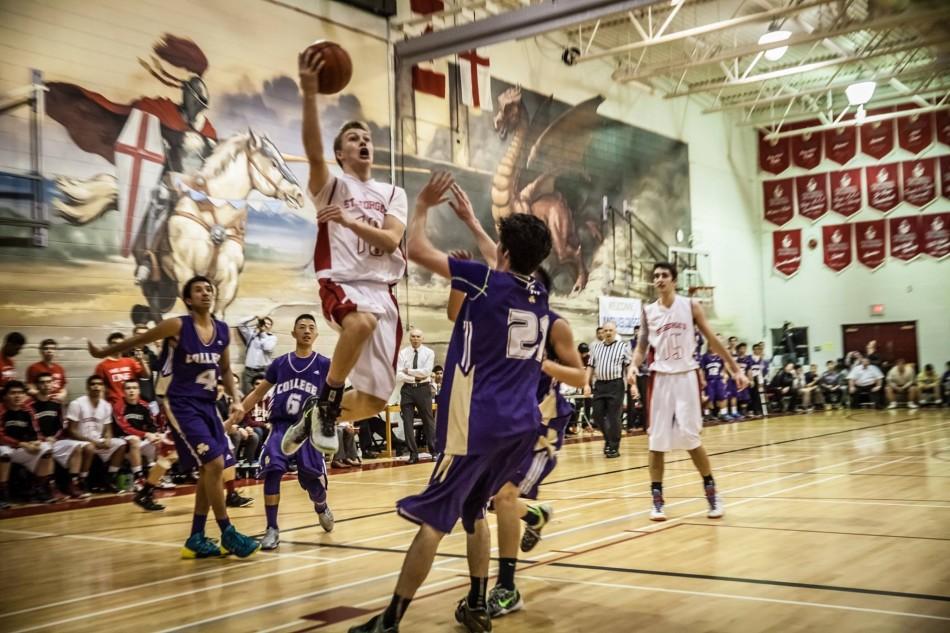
(204, 234)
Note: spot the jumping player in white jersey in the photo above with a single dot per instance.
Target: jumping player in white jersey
(674, 415)
(358, 260)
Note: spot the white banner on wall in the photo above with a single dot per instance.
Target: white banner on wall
(622, 311)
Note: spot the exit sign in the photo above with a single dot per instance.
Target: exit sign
(877, 309)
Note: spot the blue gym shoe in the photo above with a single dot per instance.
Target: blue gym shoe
(238, 544)
(200, 546)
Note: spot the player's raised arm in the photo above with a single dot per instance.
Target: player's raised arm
(420, 249)
(165, 329)
(463, 209)
(309, 65)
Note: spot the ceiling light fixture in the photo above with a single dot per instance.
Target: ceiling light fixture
(860, 92)
(774, 37)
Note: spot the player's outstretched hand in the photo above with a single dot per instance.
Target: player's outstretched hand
(309, 65)
(94, 350)
(331, 213)
(462, 205)
(433, 194)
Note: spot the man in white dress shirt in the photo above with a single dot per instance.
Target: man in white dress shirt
(414, 370)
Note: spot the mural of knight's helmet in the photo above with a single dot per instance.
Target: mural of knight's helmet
(194, 97)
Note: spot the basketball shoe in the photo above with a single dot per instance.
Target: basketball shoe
(299, 431)
(271, 539)
(238, 544)
(503, 601)
(325, 517)
(200, 546)
(532, 533)
(323, 435)
(475, 620)
(656, 512)
(715, 503)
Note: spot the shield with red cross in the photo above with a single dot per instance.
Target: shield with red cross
(139, 162)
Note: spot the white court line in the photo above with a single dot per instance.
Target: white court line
(861, 503)
(729, 596)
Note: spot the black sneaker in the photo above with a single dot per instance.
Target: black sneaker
(475, 620)
(234, 500)
(532, 533)
(145, 501)
(374, 626)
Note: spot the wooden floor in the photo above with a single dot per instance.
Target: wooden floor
(834, 522)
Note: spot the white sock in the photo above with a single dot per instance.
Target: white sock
(732, 409)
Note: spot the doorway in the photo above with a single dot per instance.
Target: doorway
(894, 340)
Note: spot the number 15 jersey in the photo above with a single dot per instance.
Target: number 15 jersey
(671, 335)
(493, 365)
(295, 379)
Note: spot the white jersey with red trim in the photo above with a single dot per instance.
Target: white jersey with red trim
(340, 254)
(670, 333)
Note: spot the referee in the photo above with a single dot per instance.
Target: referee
(606, 369)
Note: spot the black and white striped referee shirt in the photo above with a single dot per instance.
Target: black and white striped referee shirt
(609, 361)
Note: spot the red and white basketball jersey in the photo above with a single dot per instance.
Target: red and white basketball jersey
(671, 335)
(340, 254)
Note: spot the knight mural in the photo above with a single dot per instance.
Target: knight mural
(181, 194)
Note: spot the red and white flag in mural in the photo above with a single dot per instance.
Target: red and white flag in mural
(774, 154)
(883, 191)
(841, 143)
(475, 80)
(870, 241)
(777, 199)
(935, 234)
(877, 138)
(428, 81)
(845, 191)
(943, 126)
(945, 176)
(905, 237)
(920, 181)
(812, 195)
(836, 246)
(787, 251)
(915, 133)
(806, 148)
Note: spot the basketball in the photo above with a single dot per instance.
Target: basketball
(337, 67)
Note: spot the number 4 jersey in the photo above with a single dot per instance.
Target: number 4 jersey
(191, 368)
(671, 335)
(295, 379)
(493, 364)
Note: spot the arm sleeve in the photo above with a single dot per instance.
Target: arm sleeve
(470, 277)
(402, 368)
(269, 343)
(271, 374)
(118, 414)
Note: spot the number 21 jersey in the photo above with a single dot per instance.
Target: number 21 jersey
(192, 367)
(671, 335)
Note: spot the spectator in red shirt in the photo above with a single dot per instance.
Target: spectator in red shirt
(12, 344)
(115, 371)
(138, 421)
(47, 366)
(24, 443)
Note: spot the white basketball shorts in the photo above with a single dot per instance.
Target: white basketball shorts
(674, 412)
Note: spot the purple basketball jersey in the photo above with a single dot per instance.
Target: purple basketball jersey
(712, 366)
(295, 379)
(493, 363)
(192, 367)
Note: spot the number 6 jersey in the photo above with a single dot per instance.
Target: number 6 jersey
(671, 335)
(191, 368)
(493, 364)
(295, 379)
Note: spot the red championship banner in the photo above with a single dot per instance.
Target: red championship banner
(905, 237)
(945, 176)
(836, 246)
(915, 133)
(870, 242)
(806, 148)
(943, 126)
(774, 155)
(877, 139)
(920, 181)
(935, 234)
(812, 195)
(881, 183)
(777, 199)
(841, 143)
(787, 251)
(845, 191)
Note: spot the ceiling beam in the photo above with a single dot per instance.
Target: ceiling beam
(521, 23)
(920, 17)
(809, 67)
(738, 105)
(705, 29)
(943, 105)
